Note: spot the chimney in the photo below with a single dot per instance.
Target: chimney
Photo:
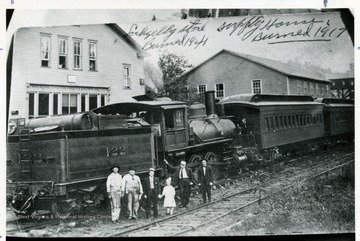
(210, 104)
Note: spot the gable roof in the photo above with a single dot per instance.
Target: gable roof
(278, 66)
(128, 39)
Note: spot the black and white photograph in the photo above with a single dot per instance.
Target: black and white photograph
(214, 120)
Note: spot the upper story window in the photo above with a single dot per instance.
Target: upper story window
(127, 76)
(299, 87)
(45, 50)
(305, 88)
(317, 88)
(92, 56)
(63, 53)
(77, 54)
(311, 88)
(219, 90)
(256, 86)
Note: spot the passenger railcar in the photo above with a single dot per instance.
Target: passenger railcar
(338, 117)
(277, 120)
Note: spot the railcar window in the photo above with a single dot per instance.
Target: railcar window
(179, 118)
(285, 122)
(272, 123)
(317, 118)
(169, 119)
(281, 122)
(307, 119)
(300, 120)
(320, 116)
(293, 121)
(297, 120)
(314, 119)
(304, 120)
(289, 120)
(276, 123)
(267, 123)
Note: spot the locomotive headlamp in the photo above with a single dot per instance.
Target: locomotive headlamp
(11, 127)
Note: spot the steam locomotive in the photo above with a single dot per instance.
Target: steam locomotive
(57, 163)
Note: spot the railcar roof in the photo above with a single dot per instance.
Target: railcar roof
(262, 104)
(331, 101)
(129, 107)
(256, 98)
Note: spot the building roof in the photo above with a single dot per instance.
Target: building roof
(128, 39)
(347, 75)
(278, 66)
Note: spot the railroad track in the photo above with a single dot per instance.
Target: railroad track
(191, 219)
(194, 218)
(24, 225)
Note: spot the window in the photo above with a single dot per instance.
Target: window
(83, 102)
(256, 86)
(219, 90)
(43, 104)
(102, 100)
(322, 90)
(92, 56)
(92, 102)
(281, 122)
(69, 103)
(272, 123)
(276, 123)
(45, 51)
(314, 119)
(311, 88)
(62, 53)
(285, 122)
(299, 87)
(267, 123)
(179, 118)
(300, 120)
(77, 54)
(201, 90)
(289, 121)
(55, 104)
(305, 88)
(127, 76)
(317, 89)
(31, 105)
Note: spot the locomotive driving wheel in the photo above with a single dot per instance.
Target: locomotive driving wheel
(62, 209)
(193, 163)
(212, 158)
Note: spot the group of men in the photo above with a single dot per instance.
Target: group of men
(131, 186)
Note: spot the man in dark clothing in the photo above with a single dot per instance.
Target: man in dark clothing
(183, 178)
(205, 178)
(151, 192)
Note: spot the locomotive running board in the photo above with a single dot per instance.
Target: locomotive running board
(201, 145)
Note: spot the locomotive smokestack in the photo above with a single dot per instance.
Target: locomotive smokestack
(210, 103)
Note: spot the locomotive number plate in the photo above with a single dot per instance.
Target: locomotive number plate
(115, 151)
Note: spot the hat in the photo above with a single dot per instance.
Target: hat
(131, 168)
(114, 167)
(152, 169)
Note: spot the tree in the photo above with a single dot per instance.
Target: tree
(175, 87)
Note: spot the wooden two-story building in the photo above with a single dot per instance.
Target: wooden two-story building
(67, 69)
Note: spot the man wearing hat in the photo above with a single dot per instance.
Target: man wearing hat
(114, 188)
(151, 193)
(183, 178)
(132, 188)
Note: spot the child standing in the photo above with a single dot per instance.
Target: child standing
(169, 193)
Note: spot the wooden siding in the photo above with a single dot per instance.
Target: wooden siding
(112, 53)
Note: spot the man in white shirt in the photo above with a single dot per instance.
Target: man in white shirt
(114, 188)
(132, 188)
